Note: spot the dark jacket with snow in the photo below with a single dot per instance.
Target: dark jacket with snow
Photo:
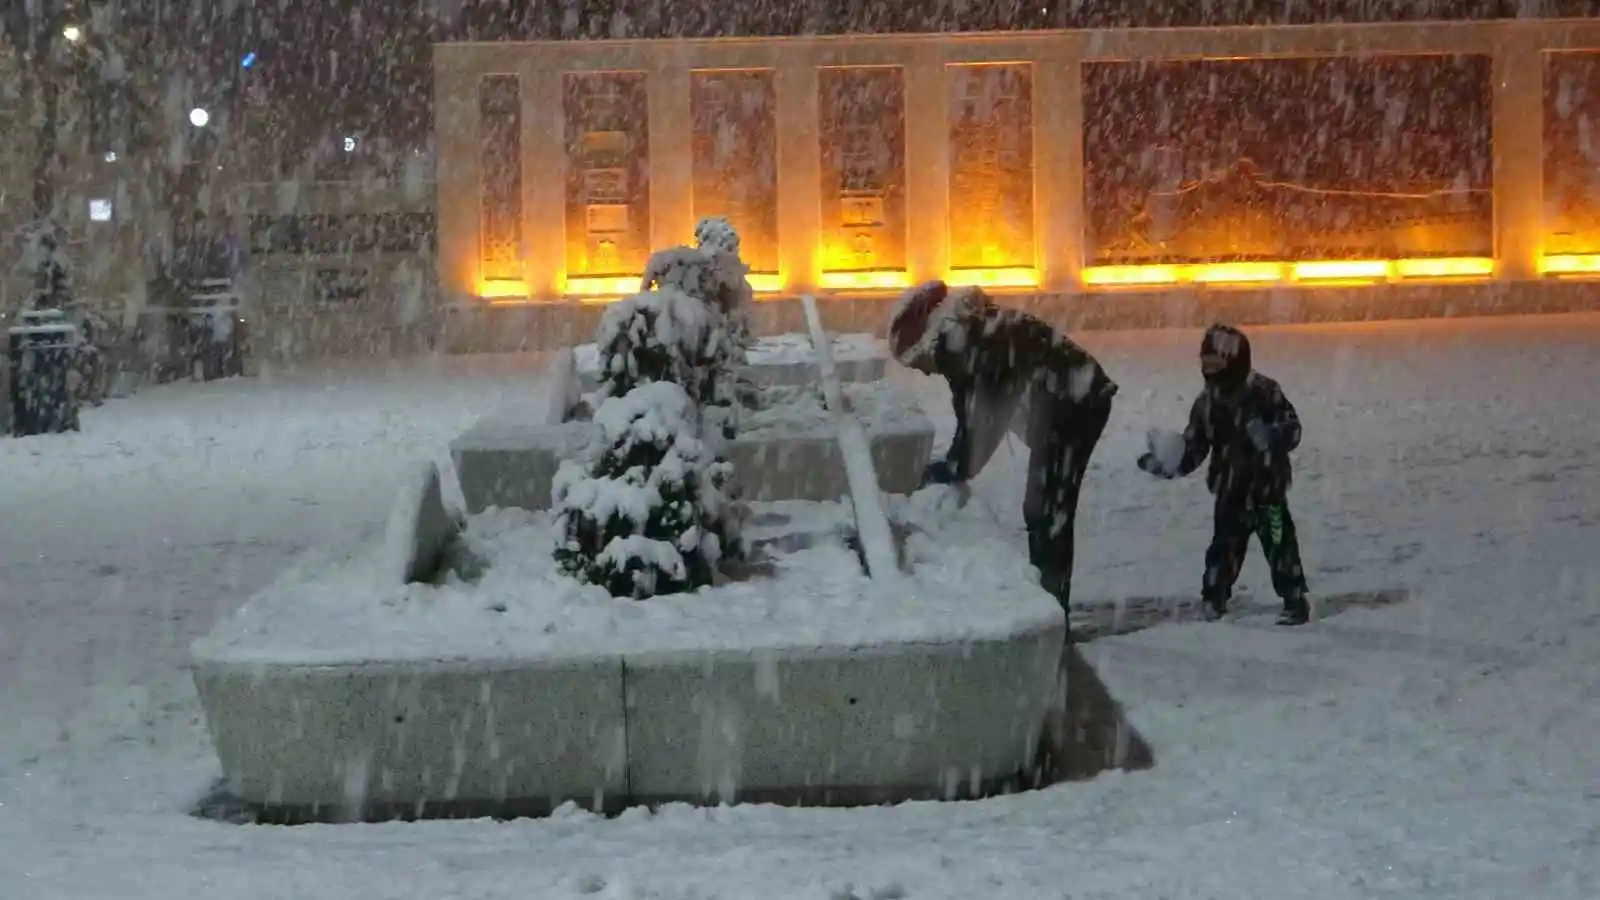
(1219, 427)
(1010, 371)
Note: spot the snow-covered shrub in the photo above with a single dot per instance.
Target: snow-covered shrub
(647, 515)
(667, 335)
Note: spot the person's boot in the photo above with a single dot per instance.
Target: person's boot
(1296, 611)
(1213, 608)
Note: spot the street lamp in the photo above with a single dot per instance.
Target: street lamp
(198, 117)
(72, 33)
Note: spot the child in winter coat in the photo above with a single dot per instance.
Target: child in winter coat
(1248, 427)
(1008, 370)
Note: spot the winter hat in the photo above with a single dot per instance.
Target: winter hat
(923, 313)
(1234, 348)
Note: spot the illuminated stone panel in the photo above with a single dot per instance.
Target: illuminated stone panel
(500, 143)
(1288, 159)
(608, 173)
(991, 166)
(863, 144)
(736, 158)
(1572, 154)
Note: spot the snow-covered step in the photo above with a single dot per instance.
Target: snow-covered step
(786, 450)
(780, 359)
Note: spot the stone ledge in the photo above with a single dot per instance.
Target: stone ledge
(933, 719)
(512, 464)
(828, 724)
(338, 739)
(810, 467)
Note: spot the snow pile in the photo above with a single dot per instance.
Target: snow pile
(969, 581)
(647, 516)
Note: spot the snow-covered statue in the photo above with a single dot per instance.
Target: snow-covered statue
(715, 234)
(648, 513)
(711, 271)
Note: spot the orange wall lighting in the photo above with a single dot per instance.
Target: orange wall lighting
(1571, 264)
(1010, 277)
(765, 282)
(1445, 267)
(1129, 276)
(1325, 272)
(503, 290)
(863, 281)
(1235, 273)
(602, 286)
(1343, 270)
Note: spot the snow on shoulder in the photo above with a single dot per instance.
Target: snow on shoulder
(969, 582)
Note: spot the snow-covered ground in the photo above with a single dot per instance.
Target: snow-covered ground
(1446, 747)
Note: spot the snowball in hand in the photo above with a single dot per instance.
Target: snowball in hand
(1167, 447)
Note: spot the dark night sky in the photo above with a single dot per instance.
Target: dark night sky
(327, 68)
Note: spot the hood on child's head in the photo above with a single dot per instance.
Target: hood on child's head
(1229, 344)
(919, 318)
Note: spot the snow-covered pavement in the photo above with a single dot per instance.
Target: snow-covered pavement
(1448, 747)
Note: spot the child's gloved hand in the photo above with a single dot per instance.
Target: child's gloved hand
(1150, 463)
(939, 472)
(1260, 434)
(1166, 451)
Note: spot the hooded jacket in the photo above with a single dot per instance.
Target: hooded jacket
(1219, 420)
(1007, 370)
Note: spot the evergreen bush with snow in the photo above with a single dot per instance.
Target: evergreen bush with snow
(647, 516)
(664, 335)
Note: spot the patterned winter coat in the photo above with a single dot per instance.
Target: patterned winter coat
(1218, 427)
(1007, 371)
